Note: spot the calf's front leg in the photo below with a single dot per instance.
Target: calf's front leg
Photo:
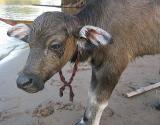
(102, 84)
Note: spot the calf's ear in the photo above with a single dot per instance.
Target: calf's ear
(92, 37)
(19, 31)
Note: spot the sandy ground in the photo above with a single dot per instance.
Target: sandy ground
(47, 108)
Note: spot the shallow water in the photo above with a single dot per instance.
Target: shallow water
(23, 10)
(23, 13)
(28, 2)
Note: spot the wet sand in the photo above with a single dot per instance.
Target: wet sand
(47, 108)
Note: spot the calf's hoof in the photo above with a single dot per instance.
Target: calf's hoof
(81, 123)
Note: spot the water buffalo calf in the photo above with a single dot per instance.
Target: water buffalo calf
(111, 33)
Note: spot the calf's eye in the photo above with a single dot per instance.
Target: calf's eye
(55, 46)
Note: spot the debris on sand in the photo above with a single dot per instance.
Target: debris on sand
(69, 106)
(44, 110)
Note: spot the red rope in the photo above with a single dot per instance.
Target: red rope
(68, 84)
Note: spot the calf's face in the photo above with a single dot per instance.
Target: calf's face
(53, 39)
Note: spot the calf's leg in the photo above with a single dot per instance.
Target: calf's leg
(102, 84)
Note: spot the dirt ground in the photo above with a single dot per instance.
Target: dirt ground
(47, 108)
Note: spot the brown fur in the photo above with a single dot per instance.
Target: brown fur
(70, 49)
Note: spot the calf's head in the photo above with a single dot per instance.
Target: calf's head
(53, 38)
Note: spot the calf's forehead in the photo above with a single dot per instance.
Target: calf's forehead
(57, 33)
(47, 26)
(52, 20)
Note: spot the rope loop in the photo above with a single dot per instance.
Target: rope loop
(68, 84)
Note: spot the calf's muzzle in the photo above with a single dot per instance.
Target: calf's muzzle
(30, 83)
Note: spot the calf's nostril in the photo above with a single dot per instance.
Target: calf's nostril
(24, 82)
(27, 83)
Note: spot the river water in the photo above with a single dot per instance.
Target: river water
(23, 10)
